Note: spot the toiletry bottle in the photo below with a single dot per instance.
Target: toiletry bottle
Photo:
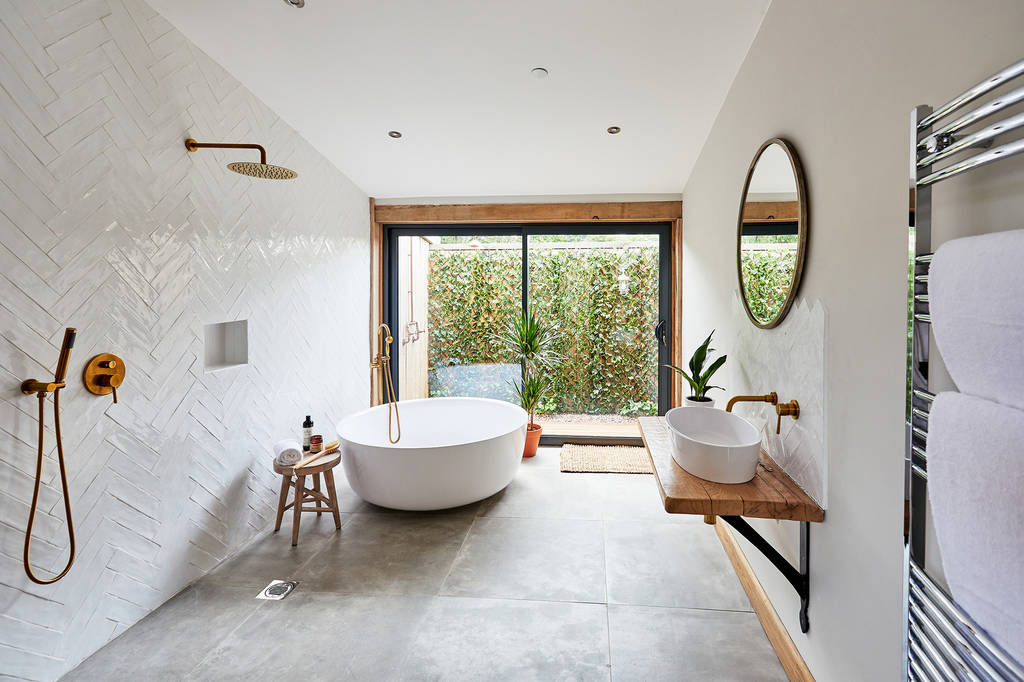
(307, 433)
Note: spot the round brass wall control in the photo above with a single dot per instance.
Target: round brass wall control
(103, 374)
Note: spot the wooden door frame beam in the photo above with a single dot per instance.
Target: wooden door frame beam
(581, 212)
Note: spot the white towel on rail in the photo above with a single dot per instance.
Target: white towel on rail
(975, 478)
(976, 301)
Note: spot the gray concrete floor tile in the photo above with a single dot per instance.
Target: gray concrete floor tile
(546, 494)
(631, 497)
(173, 639)
(272, 556)
(513, 558)
(319, 636)
(655, 643)
(492, 639)
(388, 554)
(670, 564)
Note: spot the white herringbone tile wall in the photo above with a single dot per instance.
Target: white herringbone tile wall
(107, 224)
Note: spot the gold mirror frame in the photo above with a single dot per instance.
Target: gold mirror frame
(802, 232)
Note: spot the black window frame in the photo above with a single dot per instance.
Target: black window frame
(663, 229)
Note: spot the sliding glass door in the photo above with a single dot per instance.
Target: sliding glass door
(451, 290)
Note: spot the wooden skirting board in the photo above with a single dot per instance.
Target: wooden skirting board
(792, 662)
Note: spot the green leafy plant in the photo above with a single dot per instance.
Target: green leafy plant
(698, 377)
(532, 341)
(530, 392)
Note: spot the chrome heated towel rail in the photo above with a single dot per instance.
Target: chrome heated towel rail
(942, 641)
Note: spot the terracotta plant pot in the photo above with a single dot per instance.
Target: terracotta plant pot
(533, 432)
(694, 402)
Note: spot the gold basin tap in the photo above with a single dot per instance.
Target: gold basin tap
(771, 398)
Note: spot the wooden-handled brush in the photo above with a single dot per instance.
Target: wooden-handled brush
(329, 449)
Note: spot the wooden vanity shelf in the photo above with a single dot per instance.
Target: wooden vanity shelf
(770, 495)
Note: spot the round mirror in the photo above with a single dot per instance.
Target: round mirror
(772, 233)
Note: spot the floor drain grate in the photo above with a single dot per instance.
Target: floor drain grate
(277, 589)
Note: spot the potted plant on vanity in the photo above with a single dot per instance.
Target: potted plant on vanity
(533, 343)
(698, 377)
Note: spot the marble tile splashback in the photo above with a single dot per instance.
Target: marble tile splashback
(789, 359)
(109, 225)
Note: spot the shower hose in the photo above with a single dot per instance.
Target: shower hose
(35, 491)
(392, 402)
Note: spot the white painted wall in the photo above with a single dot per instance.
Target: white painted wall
(839, 81)
(109, 225)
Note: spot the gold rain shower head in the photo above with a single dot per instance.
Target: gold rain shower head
(255, 170)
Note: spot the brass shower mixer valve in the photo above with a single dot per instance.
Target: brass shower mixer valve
(103, 374)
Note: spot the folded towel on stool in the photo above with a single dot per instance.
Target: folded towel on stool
(287, 452)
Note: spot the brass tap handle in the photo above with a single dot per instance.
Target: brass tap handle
(790, 409)
(110, 380)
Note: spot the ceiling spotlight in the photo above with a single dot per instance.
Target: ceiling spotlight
(394, 133)
(539, 72)
(614, 130)
(295, 3)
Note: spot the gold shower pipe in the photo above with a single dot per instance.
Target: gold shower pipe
(192, 146)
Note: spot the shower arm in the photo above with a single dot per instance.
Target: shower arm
(192, 146)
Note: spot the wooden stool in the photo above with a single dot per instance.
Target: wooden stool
(302, 493)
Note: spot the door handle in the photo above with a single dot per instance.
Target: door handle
(659, 332)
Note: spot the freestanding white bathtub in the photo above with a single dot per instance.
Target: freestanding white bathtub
(453, 451)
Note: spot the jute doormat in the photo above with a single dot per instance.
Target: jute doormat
(605, 459)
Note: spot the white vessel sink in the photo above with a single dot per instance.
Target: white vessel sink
(713, 444)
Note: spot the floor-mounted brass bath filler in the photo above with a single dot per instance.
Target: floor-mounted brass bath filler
(255, 170)
(41, 389)
(382, 361)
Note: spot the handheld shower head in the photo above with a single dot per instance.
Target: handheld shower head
(254, 170)
(65, 354)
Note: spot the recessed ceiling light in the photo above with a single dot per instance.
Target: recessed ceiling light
(394, 133)
(295, 3)
(614, 130)
(539, 72)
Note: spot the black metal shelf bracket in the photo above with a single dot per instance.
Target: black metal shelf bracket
(800, 578)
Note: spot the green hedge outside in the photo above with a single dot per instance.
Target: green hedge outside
(767, 276)
(610, 356)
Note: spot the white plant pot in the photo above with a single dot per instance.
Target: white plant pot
(690, 402)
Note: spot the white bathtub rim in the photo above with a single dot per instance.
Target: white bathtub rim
(414, 448)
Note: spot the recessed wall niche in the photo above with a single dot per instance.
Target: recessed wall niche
(226, 345)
